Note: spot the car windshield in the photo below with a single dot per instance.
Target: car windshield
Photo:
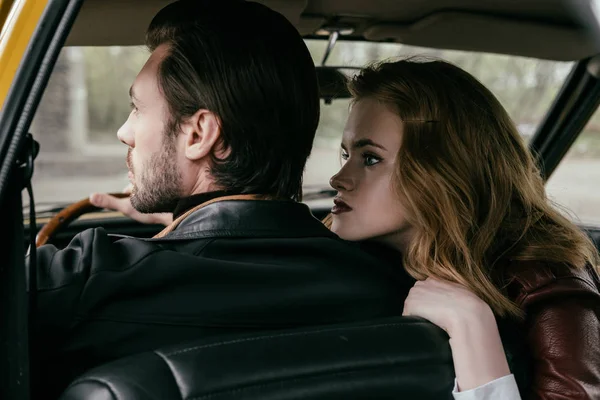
(86, 101)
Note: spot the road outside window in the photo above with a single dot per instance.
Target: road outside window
(575, 184)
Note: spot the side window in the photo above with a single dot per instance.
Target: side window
(575, 184)
(76, 123)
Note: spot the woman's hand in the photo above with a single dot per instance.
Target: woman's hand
(103, 200)
(476, 346)
(448, 305)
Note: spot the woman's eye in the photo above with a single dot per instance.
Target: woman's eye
(370, 160)
(345, 156)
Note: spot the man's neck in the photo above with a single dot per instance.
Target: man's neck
(186, 203)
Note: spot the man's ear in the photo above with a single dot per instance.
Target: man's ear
(202, 133)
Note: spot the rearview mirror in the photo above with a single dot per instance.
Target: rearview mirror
(332, 84)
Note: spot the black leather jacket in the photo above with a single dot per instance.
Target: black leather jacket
(232, 266)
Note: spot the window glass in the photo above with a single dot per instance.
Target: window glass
(575, 184)
(87, 100)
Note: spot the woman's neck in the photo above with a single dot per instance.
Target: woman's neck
(399, 240)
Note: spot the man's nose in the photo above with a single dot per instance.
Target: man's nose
(342, 182)
(125, 134)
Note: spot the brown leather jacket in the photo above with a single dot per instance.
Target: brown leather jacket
(562, 324)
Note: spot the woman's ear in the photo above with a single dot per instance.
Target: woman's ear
(202, 133)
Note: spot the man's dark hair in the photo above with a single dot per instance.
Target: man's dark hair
(247, 64)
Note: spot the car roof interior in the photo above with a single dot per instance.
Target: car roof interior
(548, 29)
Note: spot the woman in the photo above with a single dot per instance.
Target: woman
(435, 168)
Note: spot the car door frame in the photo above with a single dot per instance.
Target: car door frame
(33, 34)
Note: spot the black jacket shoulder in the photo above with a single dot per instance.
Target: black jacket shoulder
(232, 266)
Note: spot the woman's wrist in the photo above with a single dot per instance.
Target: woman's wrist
(476, 318)
(477, 350)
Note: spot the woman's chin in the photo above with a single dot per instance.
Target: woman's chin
(346, 234)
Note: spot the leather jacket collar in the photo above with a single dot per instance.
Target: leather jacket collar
(223, 217)
(187, 203)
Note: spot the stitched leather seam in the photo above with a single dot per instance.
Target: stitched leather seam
(184, 321)
(233, 233)
(301, 379)
(281, 335)
(202, 246)
(173, 374)
(195, 321)
(99, 381)
(577, 278)
(238, 197)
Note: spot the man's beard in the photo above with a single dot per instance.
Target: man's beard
(160, 180)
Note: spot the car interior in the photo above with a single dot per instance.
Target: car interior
(352, 361)
(546, 30)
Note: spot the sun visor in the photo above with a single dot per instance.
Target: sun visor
(476, 32)
(124, 22)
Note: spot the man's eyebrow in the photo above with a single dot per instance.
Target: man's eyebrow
(366, 142)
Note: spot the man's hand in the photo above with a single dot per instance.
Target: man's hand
(103, 200)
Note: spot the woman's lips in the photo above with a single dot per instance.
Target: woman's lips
(339, 207)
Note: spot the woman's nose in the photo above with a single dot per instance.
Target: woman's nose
(341, 182)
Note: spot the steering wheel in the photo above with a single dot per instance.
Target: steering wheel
(66, 216)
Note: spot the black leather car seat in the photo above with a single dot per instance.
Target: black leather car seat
(398, 358)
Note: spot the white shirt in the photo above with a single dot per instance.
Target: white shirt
(504, 388)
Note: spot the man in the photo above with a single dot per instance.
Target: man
(223, 118)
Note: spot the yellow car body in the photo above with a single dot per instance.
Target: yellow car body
(19, 19)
